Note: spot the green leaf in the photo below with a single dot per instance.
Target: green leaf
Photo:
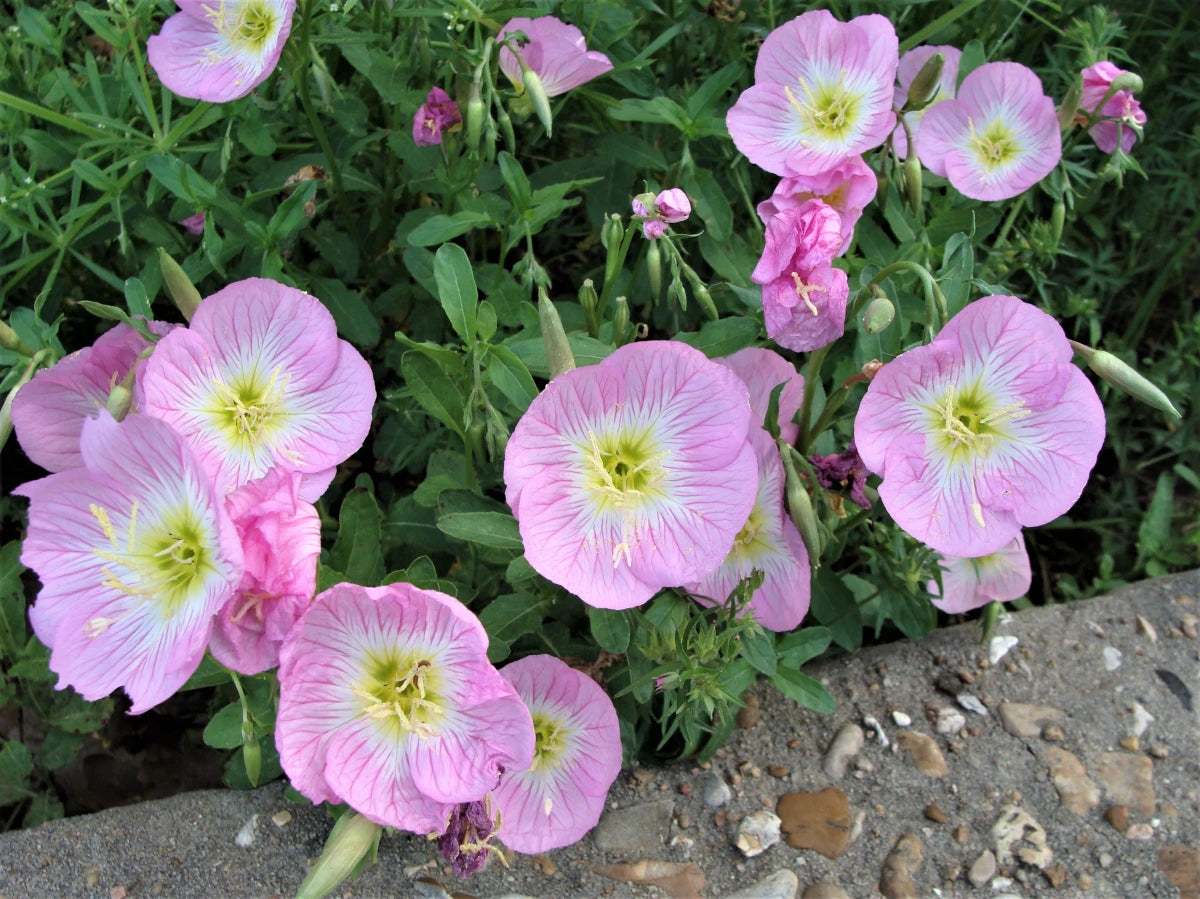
(353, 316)
(515, 181)
(834, 606)
(714, 86)
(511, 377)
(798, 647)
(12, 602)
(136, 298)
(1154, 532)
(183, 181)
(494, 529)
(456, 289)
(357, 552)
(758, 648)
(16, 764)
(804, 689)
(441, 228)
(436, 393)
(973, 57)
(913, 613)
(514, 615)
(211, 673)
(709, 203)
(59, 748)
(722, 337)
(76, 715)
(658, 111)
(610, 628)
(224, 731)
(291, 214)
(269, 767)
(42, 808)
(519, 570)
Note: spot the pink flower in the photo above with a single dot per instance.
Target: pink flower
(555, 51)
(768, 542)
(822, 93)
(387, 702)
(135, 554)
(673, 205)
(986, 430)
(435, 115)
(633, 474)
(1122, 114)
(48, 413)
(281, 539)
(972, 583)
(762, 370)
(997, 138)
(220, 50)
(576, 757)
(260, 380)
(654, 228)
(193, 224)
(910, 66)
(847, 188)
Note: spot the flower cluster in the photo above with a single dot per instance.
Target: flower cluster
(668, 207)
(435, 115)
(1120, 116)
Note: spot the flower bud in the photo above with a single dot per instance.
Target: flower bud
(643, 204)
(800, 507)
(673, 205)
(1057, 218)
(1125, 378)
(677, 293)
(120, 398)
(506, 129)
(1127, 81)
(923, 87)
(620, 321)
(587, 295)
(537, 95)
(474, 117)
(183, 292)
(878, 315)
(654, 268)
(1070, 105)
(704, 298)
(558, 352)
(251, 753)
(10, 341)
(611, 233)
(871, 369)
(350, 841)
(912, 183)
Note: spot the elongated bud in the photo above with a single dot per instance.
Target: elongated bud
(350, 841)
(183, 292)
(612, 233)
(558, 352)
(881, 187)
(800, 507)
(1070, 105)
(912, 183)
(120, 398)
(1057, 218)
(1128, 81)
(620, 321)
(474, 117)
(590, 303)
(923, 87)
(677, 293)
(10, 341)
(704, 298)
(878, 315)
(643, 204)
(506, 129)
(1125, 377)
(251, 753)
(537, 96)
(654, 269)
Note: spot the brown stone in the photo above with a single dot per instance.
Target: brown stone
(1128, 780)
(1076, 790)
(924, 753)
(819, 821)
(1181, 866)
(961, 834)
(543, 863)
(748, 715)
(934, 813)
(896, 881)
(1057, 876)
(1132, 744)
(676, 879)
(1118, 817)
(778, 770)
(824, 891)
(1023, 720)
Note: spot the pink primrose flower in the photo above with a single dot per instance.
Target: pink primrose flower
(434, 116)
(768, 542)
(997, 138)
(576, 757)
(653, 229)
(633, 474)
(555, 51)
(762, 370)
(220, 50)
(193, 224)
(972, 583)
(136, 554)
(822, 93)
(387, 702)
(1121, 113)
(986, 430)
(673, 205)
(260, 380)
(281, 540)
(910, 66)
(48, 413)
(847, 188)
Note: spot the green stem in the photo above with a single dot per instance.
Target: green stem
(613, 268)
(936, 312)
(301, 78)
(811, 379)
(183, 127)
(50, 115)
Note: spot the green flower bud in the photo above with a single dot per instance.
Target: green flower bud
(800, 507)
(912, 182)
(537, 96)
(251, 753)
(1127, 81)
(612, 233)
(350, 841)
(704, 298)
(878, 315)
(590, 303)
(120, 398)
(925, 85)
(558, 352)
(10, 341)
(1070, 105)
(1125, 377)
(183, 292)
(654, 268)
(1057, 217)
(678, 294)
(620, 321)
(474, 117)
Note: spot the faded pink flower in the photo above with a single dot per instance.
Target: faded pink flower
(633, 474)
(847, 188)
(972, 583)
(193, 224)
(822, 93)
(911, 64)
(220, 50)
(673, 205)
(555, 51)
(762, 370)
(576, 757)
(997, 138)
(281, 540)
(1122, 114)
(986, 430)
(434, 116)
(387, 702)
(136, 554)
(653, 229)
(846, 469)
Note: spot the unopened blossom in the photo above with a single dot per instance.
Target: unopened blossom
(762, 370)
(841, 470)
(846, 188)
(997, 138)
(972, 583)
(387, 702)
(260, 380)
(768, 542)
(220, 50)
(193, 224)
(136, 554)
(555, 51)
(668, 207)
(1121, 113)
(910, 66)
(434, 116)
(986, 430)
(822, 93)
(633, 474)
(281, 540)
(48, 413)
(576, 757)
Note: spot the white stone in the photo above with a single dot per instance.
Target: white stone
(1141, 719)
(901, 719)
(877, 728)
(999, 646)
(950, 721)
(971, 703)
(1112, 658)
(757, 833)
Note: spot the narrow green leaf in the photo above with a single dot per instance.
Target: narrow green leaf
(436, 393)
(511, 377)
(758, 648)
(441, 228)
(722, 337)
(495, 529)
(12, 602)
(357, 552)
(513, 615)
(804, 689)
(456, 289)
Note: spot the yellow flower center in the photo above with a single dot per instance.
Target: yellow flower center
(995, 146)
(549, 740)
(400, 691)
(623, 470)
(249, 26)
(831, 110)
(249, 406)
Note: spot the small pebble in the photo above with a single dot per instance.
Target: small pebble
(685, 789)
(1085, 881)
(934, 813)
(961, 834)
(983, 869)
(1141, 719)
(684, 821)
(748, 715)
(642, 776)
(1129, 743)
(999, 646)
(877, 729)
(1141, 831)
(757, 833)
(901, 719)
(280, 818)
(778, 770)
(1105, 859)
(972, 704)
(1188, 624)
(716, 791)
(950, 721)
(793, 743)
(1052, 733)
(1146, 628)
(1057, 875)
(1112, 658)
(1158, 750)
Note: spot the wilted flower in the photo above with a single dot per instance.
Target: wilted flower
(193, 224)
(387, 702)
(910, 66)
(997, 138)
(822, 93)
(633, 474)
(220, 50)
(260, 380)
(434, 116)
(555, 51)
(1121, 113)
(847, 188)
(467, 840)
(986, 430)
(576, 757)
(972, 583)
(762, 370)
(136, 554)
(843, 470)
